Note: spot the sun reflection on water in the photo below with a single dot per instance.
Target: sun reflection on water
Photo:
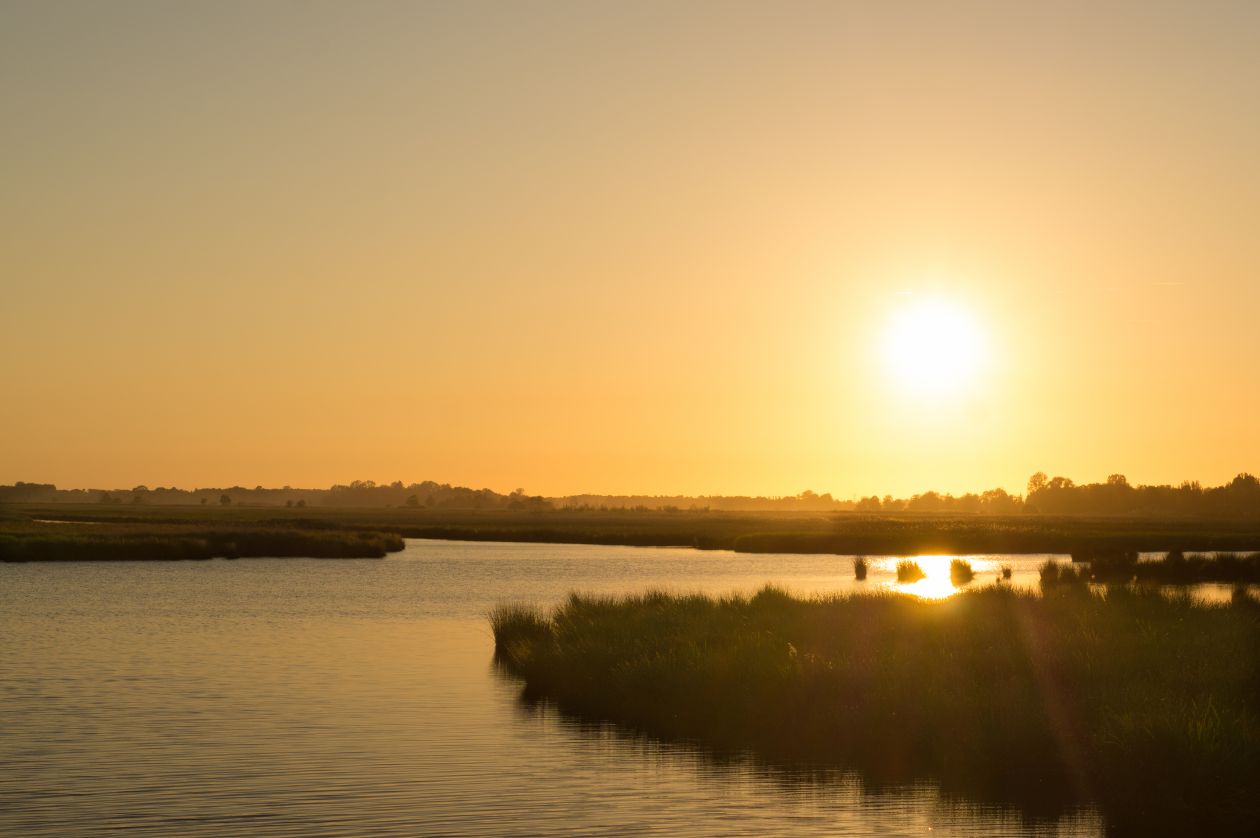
(936, 583)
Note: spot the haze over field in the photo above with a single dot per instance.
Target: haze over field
(647, 248)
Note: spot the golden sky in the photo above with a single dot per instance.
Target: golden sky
(638, 247)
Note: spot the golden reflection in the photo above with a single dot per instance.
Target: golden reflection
(936, 582)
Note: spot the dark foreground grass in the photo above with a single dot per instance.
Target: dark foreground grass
(1142, 704)
(32, 541)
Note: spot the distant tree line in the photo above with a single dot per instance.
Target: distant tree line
(359, 493)
(1240, 498)
(992, 502)
(430, 495)
(807, 501)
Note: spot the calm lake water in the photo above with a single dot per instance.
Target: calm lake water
(357, 697)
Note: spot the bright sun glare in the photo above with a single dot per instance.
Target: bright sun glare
(933, 347)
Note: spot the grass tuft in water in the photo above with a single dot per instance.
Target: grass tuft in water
(960, 572)
(908, 570)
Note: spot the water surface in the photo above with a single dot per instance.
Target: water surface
(357, 697)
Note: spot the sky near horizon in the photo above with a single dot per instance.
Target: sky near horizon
(702, 248)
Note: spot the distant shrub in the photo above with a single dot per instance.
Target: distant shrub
(859, 568)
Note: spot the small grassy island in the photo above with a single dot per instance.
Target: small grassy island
(32, 540)
(1145, 704)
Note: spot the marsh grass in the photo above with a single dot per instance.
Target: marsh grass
(908, 570)
(31, 541)
(1175, 568)
(755, 532)
(520, 622)
(960, 572)
(1178, 568)
(1142, 704)
(1054, 575)
(859, 568)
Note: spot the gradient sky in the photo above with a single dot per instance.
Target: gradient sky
(634, 247)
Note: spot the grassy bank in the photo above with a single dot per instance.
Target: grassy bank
(1142, 704)
(32, 541)
(1175, 568)
(840, 533)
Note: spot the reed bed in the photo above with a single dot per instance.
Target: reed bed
(844, 533)
(1143, 704)
(55, 542)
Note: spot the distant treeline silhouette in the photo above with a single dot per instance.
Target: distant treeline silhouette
(806, 501)
(359, 493)
(1240, 498)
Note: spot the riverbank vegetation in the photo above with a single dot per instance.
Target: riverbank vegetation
(1175, 568)
(1143, 704)
(23, 540)
(842, 534)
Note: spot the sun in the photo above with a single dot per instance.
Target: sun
(933, 347)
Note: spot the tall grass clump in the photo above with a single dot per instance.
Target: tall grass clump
(859, 568)
(515, 623)
(908, 570)
(1053, 575)
(1006, 572)
(1138, 703)
(960, 572)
